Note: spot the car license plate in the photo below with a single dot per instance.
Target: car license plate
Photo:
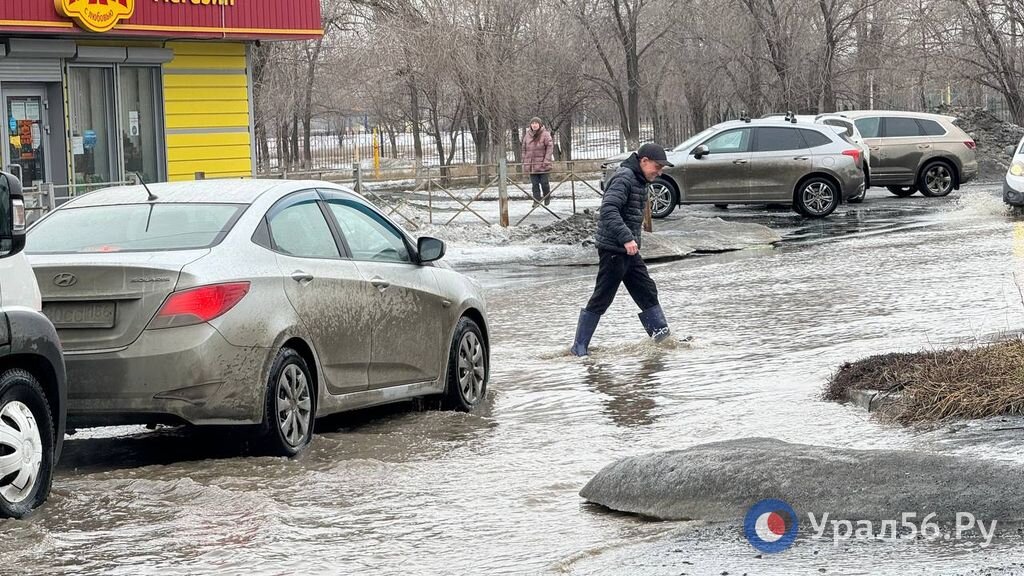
(80, 314)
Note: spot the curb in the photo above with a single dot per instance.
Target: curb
(870, 400)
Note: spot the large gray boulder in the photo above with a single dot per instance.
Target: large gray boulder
(719, 482)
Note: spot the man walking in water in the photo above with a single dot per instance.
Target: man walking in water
(618, 247)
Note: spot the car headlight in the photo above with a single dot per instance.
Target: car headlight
(1017, 168)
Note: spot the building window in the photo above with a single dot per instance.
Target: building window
(140, 118)
(93, 148)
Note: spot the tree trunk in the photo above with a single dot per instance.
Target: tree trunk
(294, 160)
(633, 94)
(414, 117)
(565, 139)
(393, 139)
(307, 104)
(283, 154)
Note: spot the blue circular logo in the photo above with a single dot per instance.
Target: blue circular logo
(771, 526)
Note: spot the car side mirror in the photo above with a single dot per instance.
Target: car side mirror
(430, 249)
(1011, 150)
(12, 216)
(701, 151)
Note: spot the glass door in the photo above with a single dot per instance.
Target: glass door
(27, 140)
(93, 144)
(140, 116)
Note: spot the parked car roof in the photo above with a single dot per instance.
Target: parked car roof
(242, 191)
(854, 114)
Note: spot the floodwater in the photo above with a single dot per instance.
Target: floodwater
(404, 491)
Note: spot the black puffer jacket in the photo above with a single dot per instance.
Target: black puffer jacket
(622, 209)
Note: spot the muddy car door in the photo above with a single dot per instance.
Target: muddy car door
(325, 288)
(718, 169)
(780, 159)
(408, 340)
(870, 128)
(903, 144)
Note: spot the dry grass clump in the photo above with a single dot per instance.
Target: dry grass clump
(939, 385)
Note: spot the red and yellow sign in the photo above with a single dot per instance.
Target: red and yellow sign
(165, 19)
(96, 15)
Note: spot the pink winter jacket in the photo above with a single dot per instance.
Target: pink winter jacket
(537, 150)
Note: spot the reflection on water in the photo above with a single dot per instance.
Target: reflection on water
(405, 490)
(630, 392)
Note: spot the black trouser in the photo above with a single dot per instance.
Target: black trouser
(540, 181)
(616, 268)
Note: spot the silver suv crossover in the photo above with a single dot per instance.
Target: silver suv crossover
(811, 166)
(916, 152)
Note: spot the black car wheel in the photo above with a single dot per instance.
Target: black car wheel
(468, 368)
(936, 180)
(290, 407)
(816, 197)
(902, 191)
(663, 197)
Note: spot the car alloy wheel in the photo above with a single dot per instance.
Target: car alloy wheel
(818, 198)
(662, 199)
(938, 181)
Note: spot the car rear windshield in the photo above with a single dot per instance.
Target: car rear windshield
(132, 228)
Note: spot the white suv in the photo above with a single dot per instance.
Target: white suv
(33, 396)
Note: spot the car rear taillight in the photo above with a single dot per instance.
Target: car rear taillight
(855, 154)
(970, 144)
(198, 305)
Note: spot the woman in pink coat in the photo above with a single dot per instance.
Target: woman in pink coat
(537, 149)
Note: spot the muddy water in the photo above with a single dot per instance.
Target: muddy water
(421, 492)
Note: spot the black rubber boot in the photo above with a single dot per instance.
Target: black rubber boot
(584, 332)
(655, 323)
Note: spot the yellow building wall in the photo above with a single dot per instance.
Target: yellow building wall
(206, 111)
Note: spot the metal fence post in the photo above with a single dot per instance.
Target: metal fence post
(503, 191)
(572, 182)
(51, 202)
(648, 221)
(357, 175)
(430, 202)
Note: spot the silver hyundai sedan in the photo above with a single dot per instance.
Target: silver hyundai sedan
(251, 302)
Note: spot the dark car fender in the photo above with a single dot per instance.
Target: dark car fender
(31, 336)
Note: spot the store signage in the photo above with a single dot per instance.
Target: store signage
(96, 15)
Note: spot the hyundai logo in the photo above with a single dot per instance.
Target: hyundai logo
(65, 280)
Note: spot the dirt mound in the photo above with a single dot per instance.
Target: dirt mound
(992, 136)
(576, 229)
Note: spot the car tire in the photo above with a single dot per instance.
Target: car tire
(290, 408)
(664, 197)
(816, 197)
(722, 206)
(468, 368)
(25, 417)
(902, 191)
(937, 179)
